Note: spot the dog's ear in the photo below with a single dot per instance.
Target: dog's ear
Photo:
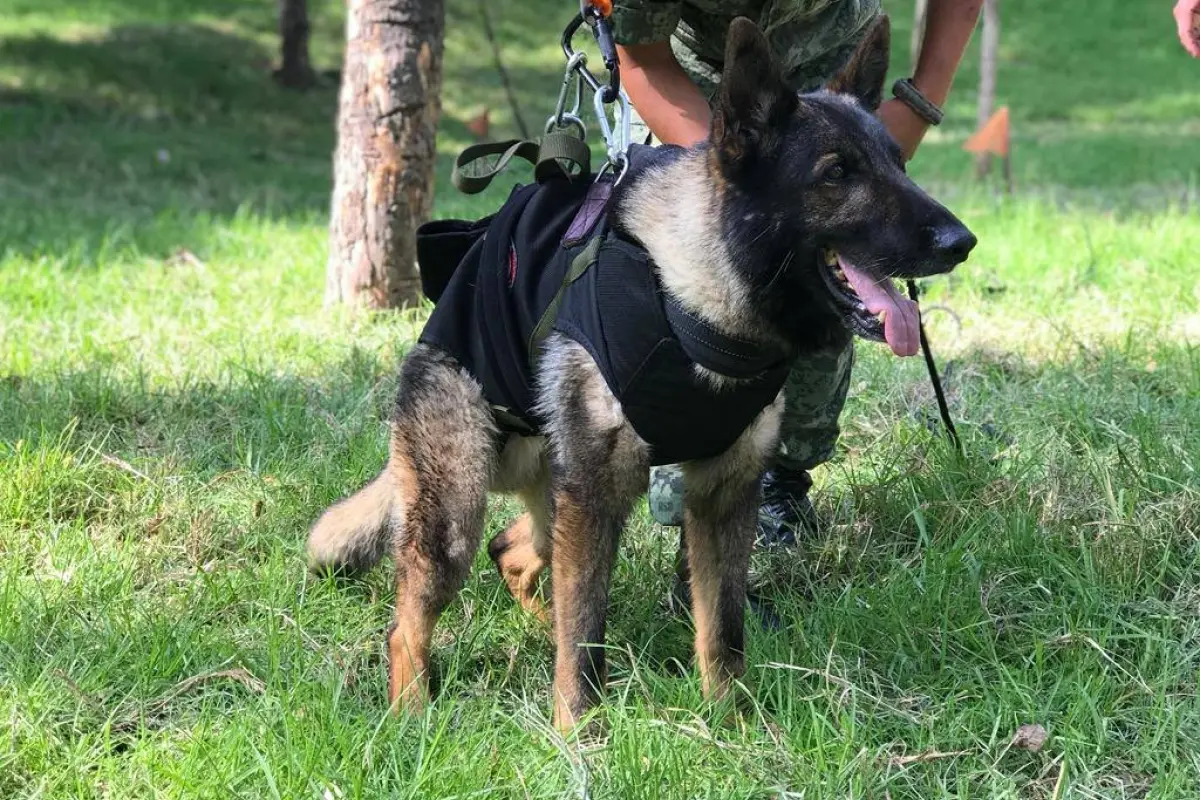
(864, 76)
(754, 98)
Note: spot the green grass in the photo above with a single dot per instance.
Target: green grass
(176, 407)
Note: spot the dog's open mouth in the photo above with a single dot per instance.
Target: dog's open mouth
(872, 307)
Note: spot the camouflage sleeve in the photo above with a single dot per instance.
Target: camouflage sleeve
(644, 21)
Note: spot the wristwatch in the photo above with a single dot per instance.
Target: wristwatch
(911, 96)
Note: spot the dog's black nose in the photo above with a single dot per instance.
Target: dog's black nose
(952, 243)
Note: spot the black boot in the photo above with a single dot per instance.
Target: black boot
(786, 509)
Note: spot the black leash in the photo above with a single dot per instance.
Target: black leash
(943, 408)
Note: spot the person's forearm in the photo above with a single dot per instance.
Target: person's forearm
(665, 97)
(948, 27)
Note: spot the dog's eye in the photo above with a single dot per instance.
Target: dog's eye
(834, 172)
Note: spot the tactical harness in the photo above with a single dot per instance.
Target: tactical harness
(548, 262)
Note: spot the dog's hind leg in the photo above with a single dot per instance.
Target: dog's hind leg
(721, 498)
(599, 467)
(442, 455)
(522, 551)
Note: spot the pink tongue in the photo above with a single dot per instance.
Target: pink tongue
(901, 321)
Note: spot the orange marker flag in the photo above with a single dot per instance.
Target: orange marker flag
(480, 125)
(992, 137)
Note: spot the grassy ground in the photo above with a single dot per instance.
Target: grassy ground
(175, 408)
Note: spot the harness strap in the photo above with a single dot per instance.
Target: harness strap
(562, 154)
(584, 259)
(716, 350)
(557, 154)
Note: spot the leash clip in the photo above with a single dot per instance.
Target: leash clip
(595, 14)
(616, 135)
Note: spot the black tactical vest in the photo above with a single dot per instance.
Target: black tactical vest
(547, 261)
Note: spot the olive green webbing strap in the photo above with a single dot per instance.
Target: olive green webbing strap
(579, 265)
(556, 154)
(562, 153)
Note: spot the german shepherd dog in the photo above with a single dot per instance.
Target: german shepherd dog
(786, 226)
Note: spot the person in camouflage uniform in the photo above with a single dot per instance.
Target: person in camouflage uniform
(664, 46)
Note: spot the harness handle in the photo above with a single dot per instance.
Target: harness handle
(557, 154)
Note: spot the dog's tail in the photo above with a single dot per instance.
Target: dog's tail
(352, 535)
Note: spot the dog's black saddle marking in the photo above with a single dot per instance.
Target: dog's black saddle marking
(522, 280)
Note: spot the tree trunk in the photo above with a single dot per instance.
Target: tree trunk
(988, 56)
(920, 10)
(383, 168)
(294, 71)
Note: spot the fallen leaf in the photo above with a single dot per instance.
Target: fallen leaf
(1029, 737)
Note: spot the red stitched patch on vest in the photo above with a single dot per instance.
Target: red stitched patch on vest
(512, 263)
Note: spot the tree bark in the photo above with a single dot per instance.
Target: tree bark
(294, 71)
(988, 56)
(383, 167)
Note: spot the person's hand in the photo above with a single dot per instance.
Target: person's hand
(1187, 21)
(905, 126)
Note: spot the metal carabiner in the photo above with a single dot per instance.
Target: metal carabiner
(625, 108)
(562, 118)
(601, 30)
(571, 75)
(567, 120)
(616, 144)
(596, 14)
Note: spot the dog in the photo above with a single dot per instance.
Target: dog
(784, 229)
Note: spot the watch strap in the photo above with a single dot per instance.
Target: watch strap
(911, 96)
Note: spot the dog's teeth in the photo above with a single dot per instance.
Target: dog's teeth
(831, 259)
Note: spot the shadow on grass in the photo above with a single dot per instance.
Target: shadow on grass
(151, 136)
(150, 132)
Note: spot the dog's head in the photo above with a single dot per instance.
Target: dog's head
(814, 198)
